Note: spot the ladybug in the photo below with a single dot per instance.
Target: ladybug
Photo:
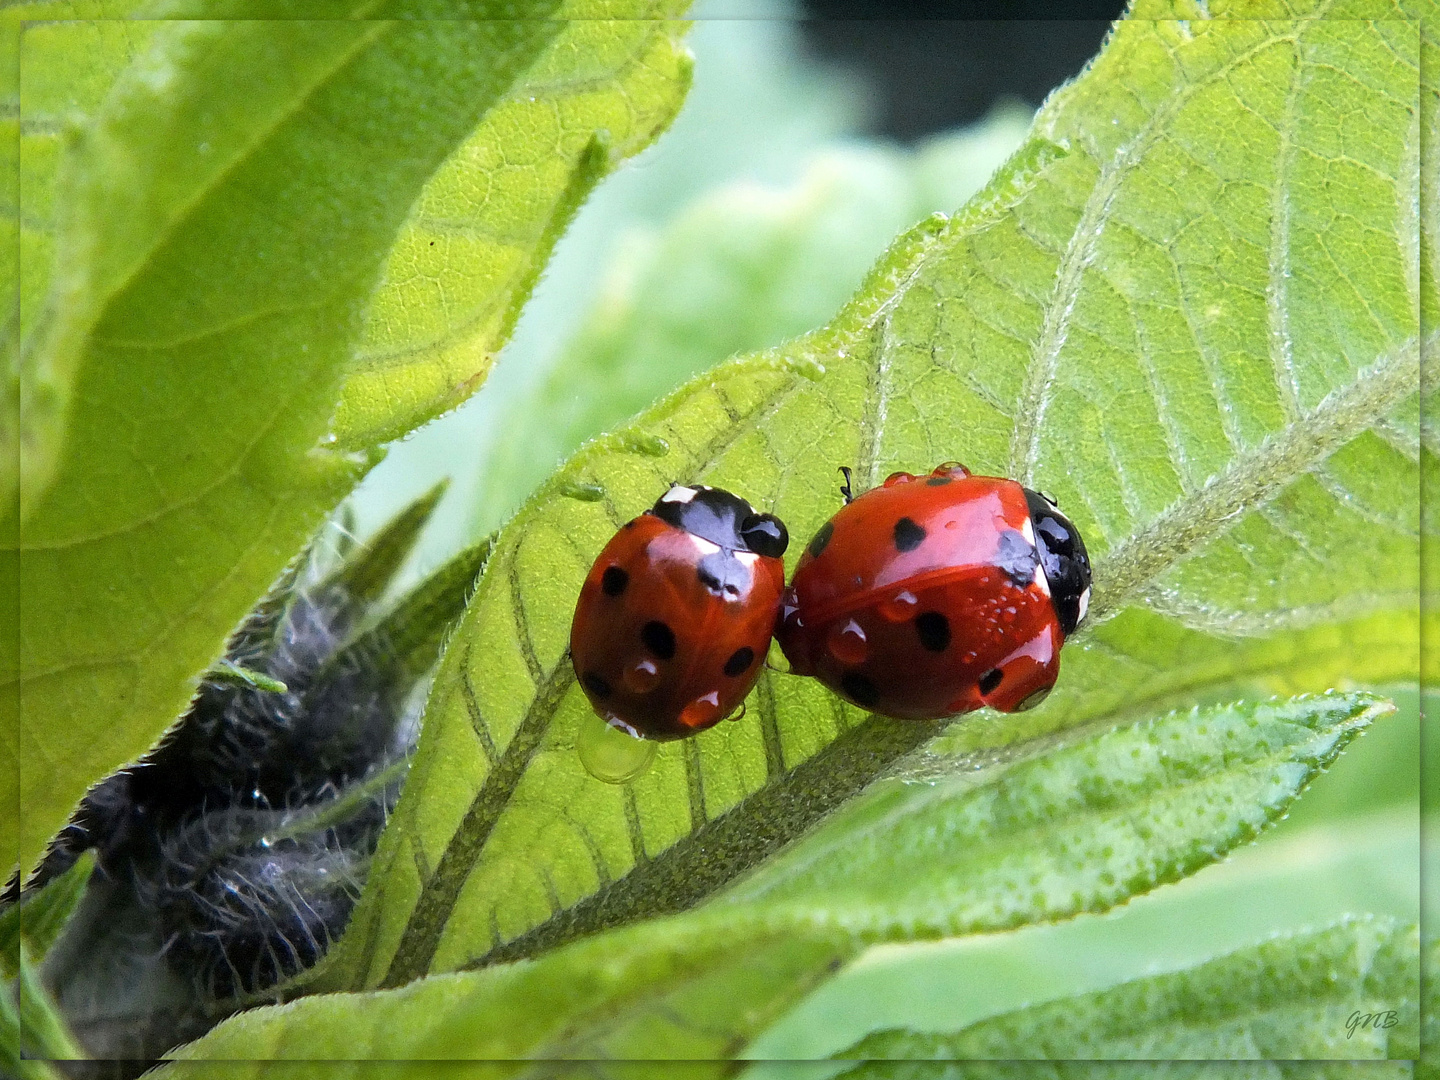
(675, 617)
(931, 596)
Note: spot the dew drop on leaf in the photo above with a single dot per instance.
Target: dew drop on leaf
(609, 754)
(648, 445)
(573, 489)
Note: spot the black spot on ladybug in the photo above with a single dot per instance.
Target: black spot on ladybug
(613, 581)
(937, 481)
(860, 689)
(817, 545)
(908, 535)
(740, 661)
(1017, 557)
(595, 684)
(723, 574)
(990, 680)
(934, 630)
(659, 639)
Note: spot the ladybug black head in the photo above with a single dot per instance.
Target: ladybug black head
(1062, 554)
(722, 518)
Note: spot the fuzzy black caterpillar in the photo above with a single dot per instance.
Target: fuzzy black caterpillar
(229, 858)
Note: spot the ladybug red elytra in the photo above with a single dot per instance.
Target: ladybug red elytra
(675, 617)
(932, 596)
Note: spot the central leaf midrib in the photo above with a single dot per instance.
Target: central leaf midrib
(440, 893)
(720, 850)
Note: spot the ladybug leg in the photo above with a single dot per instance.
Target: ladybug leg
(845, 487)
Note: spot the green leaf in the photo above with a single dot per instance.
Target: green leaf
(31, 1026)
(1081, 829)
(474, 245)
(1287, 880)
(694, 990)
(743, 267)
(39, 916)
(1186, 307)
(1347, 991)
(1132, 1070)
(1074, 830)
(227, 214)
(71, 53)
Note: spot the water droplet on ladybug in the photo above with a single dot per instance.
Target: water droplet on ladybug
(899, 607)
(700, 713)
(846, 642)
(641, 678)
(898, 478)
(609, 752)
(951, 468)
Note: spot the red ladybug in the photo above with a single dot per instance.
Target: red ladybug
(931, 596)
(675, 617)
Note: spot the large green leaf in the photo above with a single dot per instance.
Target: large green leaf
(743, 267)
(1077, 830)
(1187, 308)
(601, 999)
(476, 241)
(1130, 1070)
(1288, 880)
(60, 91)
(1084, 828)
(1299, 996)
(226, 214)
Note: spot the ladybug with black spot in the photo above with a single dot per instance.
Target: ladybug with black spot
(676, 615)
(932, 596)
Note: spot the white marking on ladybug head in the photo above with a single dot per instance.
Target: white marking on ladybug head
(703, 546)
(1027, 530)
(747, 558)
(1084, 604)
(678, 494)
(1041, 579)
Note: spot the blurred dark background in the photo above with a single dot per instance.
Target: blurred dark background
(934, 65)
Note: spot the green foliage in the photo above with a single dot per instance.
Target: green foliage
(40, 916)
(1134, 1070)
(1290, 997)
(475, 243)
(30, 1027)
(1081, 828)
(207, 209)
(1310, 877)
(743, 267)
(1186, 308)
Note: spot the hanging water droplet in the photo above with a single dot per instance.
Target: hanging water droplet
(611, 754)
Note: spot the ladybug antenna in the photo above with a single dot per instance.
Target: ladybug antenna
(845, 487)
